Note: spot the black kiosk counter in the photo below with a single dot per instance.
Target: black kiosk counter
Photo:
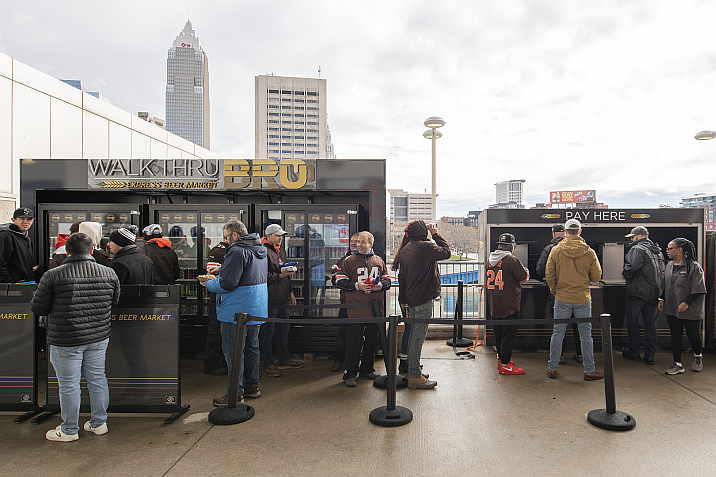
(604, 230)
(320, 203)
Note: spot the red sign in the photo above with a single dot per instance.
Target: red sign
(185, 45)
(571, 196)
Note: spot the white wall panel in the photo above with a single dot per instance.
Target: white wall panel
(120, 141)
(5, 66)
(47, 84)
(158, 148)
(65, 130)
(173, 153)
(6, 163)
(187, 155)
(141, 147)
(106, 110)
(95, 136)
(30, 123)
(149, 129)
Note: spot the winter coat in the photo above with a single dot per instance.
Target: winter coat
(241, 285)
(166, 264)
(78, 296)
(16, 256)
(418, 275)
(279, 289)
(643, 270)
(685, 284)
(571, 266)
(542, 260)
(132, 267)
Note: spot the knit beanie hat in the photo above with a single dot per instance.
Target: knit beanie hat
(416, 229)
(122, 237)
(93, 230)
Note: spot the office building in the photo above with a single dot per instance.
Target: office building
(702, 201)
(406, 207)
(290, 119)
(509, 194)
(78, 84)
(151, 119)
(187, 95)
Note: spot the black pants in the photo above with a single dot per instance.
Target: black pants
(340, 353)
(213, 354)
(354, 343)
(693, 332)
(505, 337)
(575, 328)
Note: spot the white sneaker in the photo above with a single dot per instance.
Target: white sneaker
(97, 430)
(675, 368)
(698, 363)
(56, 434)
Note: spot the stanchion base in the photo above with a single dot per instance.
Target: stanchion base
(381, 382)
(618, 421)
(226, 415)
(399, 416)
(460, 343)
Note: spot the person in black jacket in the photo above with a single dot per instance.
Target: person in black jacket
(280, 292)
(131, 266)
(214, 361)
(540, 270)
(643, 271)
(16, 257)
(159, 250)
(78, 297)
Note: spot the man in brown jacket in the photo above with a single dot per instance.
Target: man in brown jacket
(571, 266)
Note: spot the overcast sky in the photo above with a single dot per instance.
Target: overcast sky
(567, 94)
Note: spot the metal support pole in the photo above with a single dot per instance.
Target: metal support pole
(434, 201)
(391, 415)
(457, 339)
(235, 413)
(609, 418)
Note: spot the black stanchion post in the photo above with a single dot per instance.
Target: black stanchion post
(235, 413)
(391, 415)
(457, 339)
(381, 382)
(609, 418)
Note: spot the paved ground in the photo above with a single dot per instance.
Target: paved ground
(308, 423)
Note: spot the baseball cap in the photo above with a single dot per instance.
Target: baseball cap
(22, 212)
(275, 229)
(639, 230)
(507, 238)
(573, 224)
(558, 228)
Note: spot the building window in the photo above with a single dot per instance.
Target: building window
(285, 92)
(312, 130)
(312, 108)
(311, 100)
(312, 152)
(286, 129)
(285, 107)
(299, 130)
(285, 122)
(299, 137)
(275, 91)
(273, 144)
(300, 100)
(300, 93)
(312, 123)
(312, 138)
(273, 136)
(286, 100)
(273, 151)
(312, 145)
(298, 152)
(273, 106)
(273, 114)
(311, 93)
(285, 144)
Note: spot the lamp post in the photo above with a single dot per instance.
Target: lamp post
(704, 135)
(434, 122)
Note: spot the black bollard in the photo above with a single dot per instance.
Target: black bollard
(391, 415)
(381, 382)
(234, 413)
(457, 339)
(609, 418)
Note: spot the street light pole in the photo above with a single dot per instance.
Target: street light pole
(434, 122)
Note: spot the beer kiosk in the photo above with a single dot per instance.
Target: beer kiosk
(604, 230)
(320, 203)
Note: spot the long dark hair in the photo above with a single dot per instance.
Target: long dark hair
(687, 247)
(396, 257)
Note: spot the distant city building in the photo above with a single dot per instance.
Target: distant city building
(406, 207)
(78, 84)
(702, 201)
(291, 118)
(509, 194)
(187, 95)
(151, 119)
(469, 221)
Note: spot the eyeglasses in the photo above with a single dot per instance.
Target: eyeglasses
(228, 237)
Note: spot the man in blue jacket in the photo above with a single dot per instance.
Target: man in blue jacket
(240, 287)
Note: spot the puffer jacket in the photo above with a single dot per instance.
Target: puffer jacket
(133, 267)
(644, 270)
(571, 266)
(241, 285)
(78, 296)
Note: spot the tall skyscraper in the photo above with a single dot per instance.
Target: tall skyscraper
(291, 118)
(509, 194)
(187, 112)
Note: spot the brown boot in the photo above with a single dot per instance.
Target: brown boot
(593, 376)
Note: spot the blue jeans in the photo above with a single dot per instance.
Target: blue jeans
(251, 359)
(266, 334)
(564, 311)
(649, 313)
(70, 362)
(418, 332)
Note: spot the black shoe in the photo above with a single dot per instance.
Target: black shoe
(217, 371)
(648, 360)
(403, 366)
(561, 360)
(369, 375)
(578, 358)
(633, 357)
(337, 366)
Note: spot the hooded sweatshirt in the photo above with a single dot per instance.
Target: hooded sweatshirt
(571, 266)
(505, 273)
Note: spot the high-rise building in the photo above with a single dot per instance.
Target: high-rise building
(187, 111)
(406, 207)
(509, 194)
(702, 201)
(291, 118)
